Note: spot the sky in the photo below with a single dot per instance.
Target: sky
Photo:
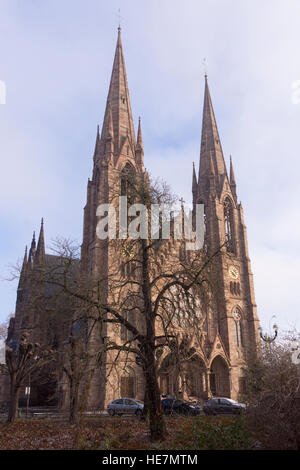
(55, 62)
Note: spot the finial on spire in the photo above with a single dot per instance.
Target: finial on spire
(204, 68)
(119, 20)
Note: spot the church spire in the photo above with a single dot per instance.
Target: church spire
(194, 183)
(232, 177)
(232, 180)
(118, 108)
(32, 250)
(211, 154)
(139, 136)
(139, 152)
(97, 144)
(24, 266)
(40, 251)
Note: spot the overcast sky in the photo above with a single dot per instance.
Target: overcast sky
(56, 60)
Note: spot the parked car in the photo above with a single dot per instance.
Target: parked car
(172, 405)
(222, 405)
(122, 406)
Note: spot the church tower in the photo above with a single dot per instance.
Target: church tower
(116, 148)
(116, 151)
(234, 320)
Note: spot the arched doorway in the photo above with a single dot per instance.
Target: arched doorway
(219, 377)
(183, 379)
(195, 386)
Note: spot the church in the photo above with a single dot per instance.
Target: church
(231, 334)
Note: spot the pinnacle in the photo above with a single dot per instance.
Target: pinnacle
(40, 252)
(139, 135)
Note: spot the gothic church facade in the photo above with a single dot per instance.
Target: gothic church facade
(233, 334)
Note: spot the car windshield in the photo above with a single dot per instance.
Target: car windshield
(232, 401)
(139, 401)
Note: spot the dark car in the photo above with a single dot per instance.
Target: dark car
(222, 405)
(172, 405)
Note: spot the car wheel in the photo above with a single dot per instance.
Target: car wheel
(139, 413)
(111, 412)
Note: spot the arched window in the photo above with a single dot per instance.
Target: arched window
(205, 244)
(238, 327)
(122, 269)
(127, 335)
(228, 218)
(128, 383)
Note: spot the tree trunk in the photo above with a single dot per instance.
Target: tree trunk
(73, 416)
(156, 417)
(146, 402)
(14, 399)
(153, 405)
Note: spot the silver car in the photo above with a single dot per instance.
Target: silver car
(122, 406)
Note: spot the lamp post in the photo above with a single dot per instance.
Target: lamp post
(27, 393)
(268, 338)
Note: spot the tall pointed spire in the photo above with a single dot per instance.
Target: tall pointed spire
(118, 103)
(232, 180)
(194, 183)
(232, 177)
(139, 135)
(40, 251)
(97, 151)
(139, 152)
(32, 250)
(24, 266)
(211, 154)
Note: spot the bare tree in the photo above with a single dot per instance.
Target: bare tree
(4, 327)
(272, 390)
(79, 366)
(22, 359)
(149, 292)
